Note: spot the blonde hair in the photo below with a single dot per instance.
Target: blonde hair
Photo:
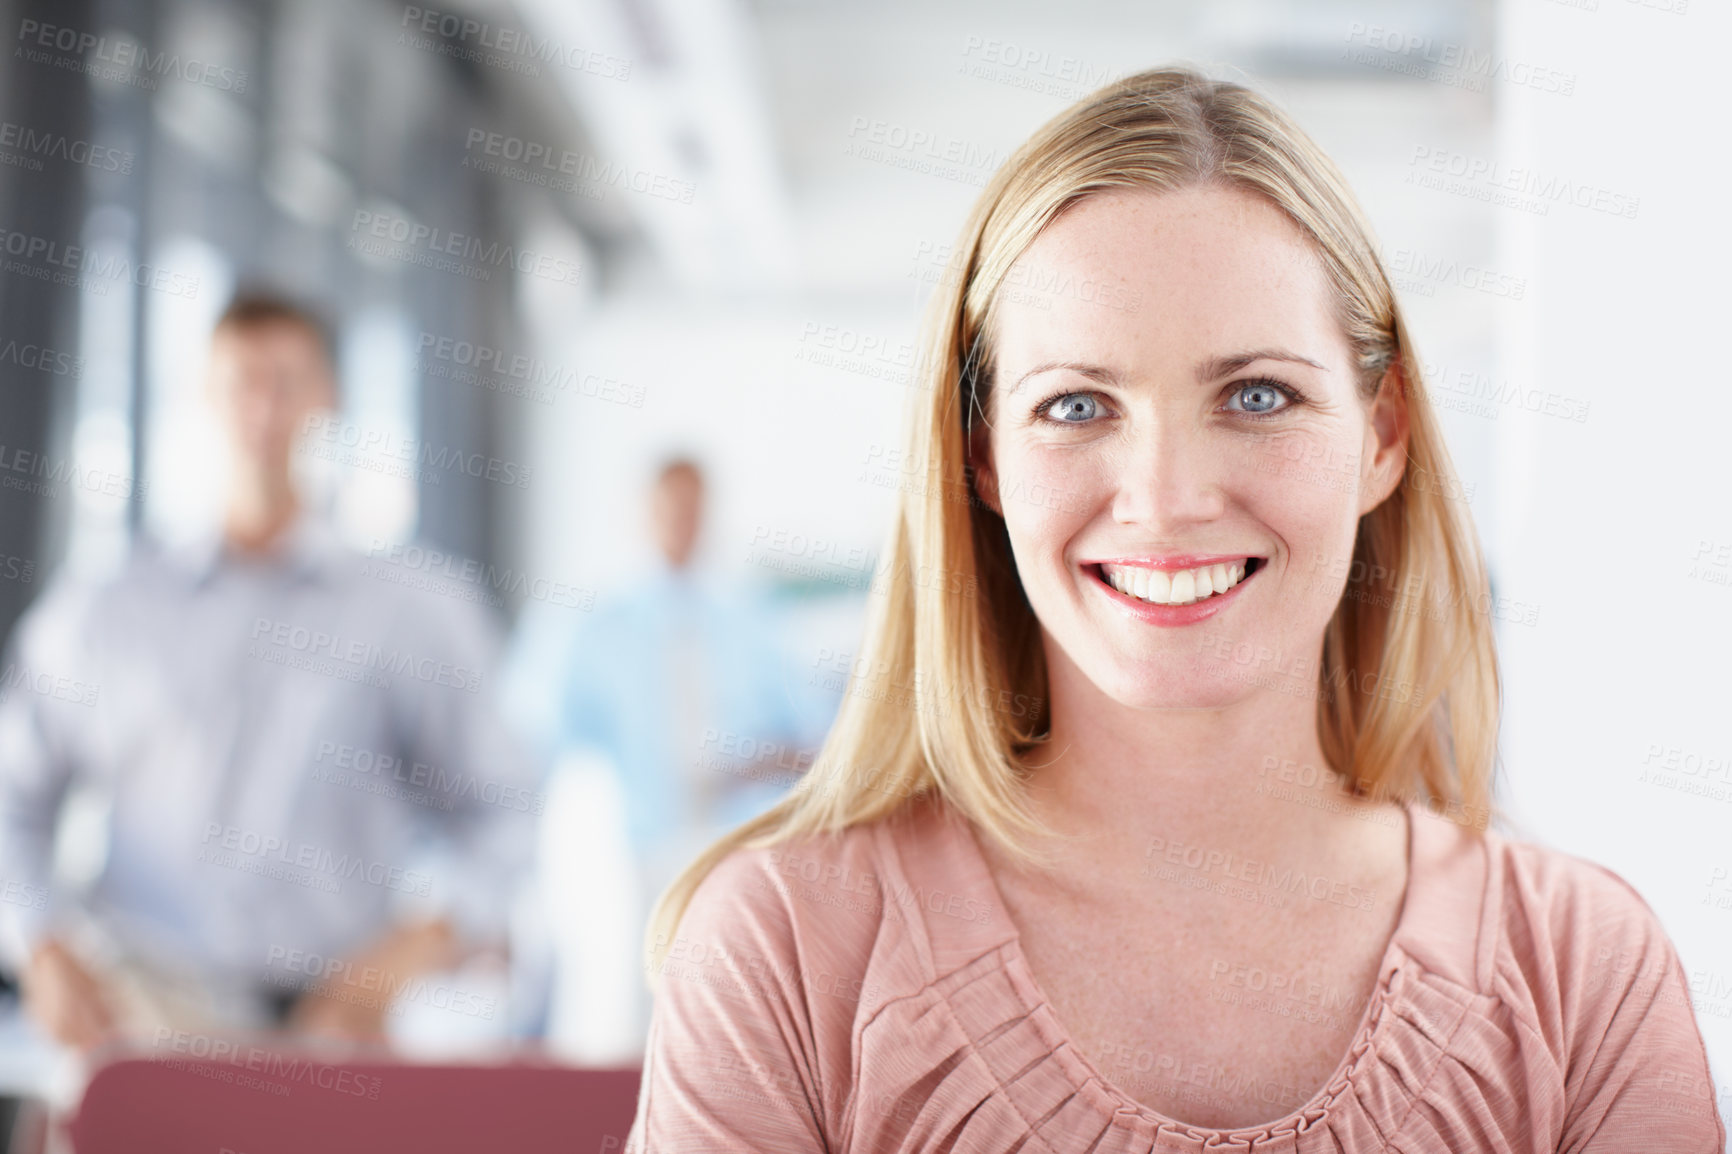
(948, 695)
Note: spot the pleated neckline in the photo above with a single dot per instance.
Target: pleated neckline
(1118, 1104)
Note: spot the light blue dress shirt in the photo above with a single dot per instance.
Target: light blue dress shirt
(295, 751)
(610, 680)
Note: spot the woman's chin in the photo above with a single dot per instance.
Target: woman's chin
(1167, 692)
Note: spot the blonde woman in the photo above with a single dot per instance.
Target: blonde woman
(1155, 818)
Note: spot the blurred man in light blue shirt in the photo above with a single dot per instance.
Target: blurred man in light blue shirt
(311, 802)
(679, 686)
(680, 683)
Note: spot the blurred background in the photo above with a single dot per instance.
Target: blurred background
(579, 239)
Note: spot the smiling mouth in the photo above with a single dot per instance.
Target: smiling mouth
(1180, 587)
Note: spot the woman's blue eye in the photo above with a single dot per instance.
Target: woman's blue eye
(1258, 397)
(1073, 408)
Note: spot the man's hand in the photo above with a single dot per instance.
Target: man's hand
(352, 1003)
(65, 999)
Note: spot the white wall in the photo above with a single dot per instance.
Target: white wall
(1604, 518)
(786, 439)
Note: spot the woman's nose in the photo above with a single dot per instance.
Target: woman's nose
(1169, 477)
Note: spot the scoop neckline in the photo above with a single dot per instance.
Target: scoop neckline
(1305, 1113)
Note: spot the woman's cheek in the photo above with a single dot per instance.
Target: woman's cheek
(1319, 540)
(1044, 496)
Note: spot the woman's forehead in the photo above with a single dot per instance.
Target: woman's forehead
(1135, 275)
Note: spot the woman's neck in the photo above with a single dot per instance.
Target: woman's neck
(1230, 779)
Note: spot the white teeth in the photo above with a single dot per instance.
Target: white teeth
(1182, 588)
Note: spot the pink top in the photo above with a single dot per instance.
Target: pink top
(866, 992)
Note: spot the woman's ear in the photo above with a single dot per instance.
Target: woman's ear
(985, 477)
(1386, 437)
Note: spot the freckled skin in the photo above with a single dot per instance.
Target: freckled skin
(1216, 272)
(1155, 732)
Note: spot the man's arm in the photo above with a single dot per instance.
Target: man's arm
(47, 697)
(485, 840)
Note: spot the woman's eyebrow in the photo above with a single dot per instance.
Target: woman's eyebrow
(1099, 373)
(1217, 367)
(1212, 369)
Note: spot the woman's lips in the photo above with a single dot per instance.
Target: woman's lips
(1169, 596)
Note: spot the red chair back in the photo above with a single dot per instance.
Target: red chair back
(265, 1101)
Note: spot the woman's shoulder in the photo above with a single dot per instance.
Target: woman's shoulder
(794, 887)
(1563, 942)
(1519, 901)
(847, 910)
(787, 951)
(1556, 985)
(1564, 915)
